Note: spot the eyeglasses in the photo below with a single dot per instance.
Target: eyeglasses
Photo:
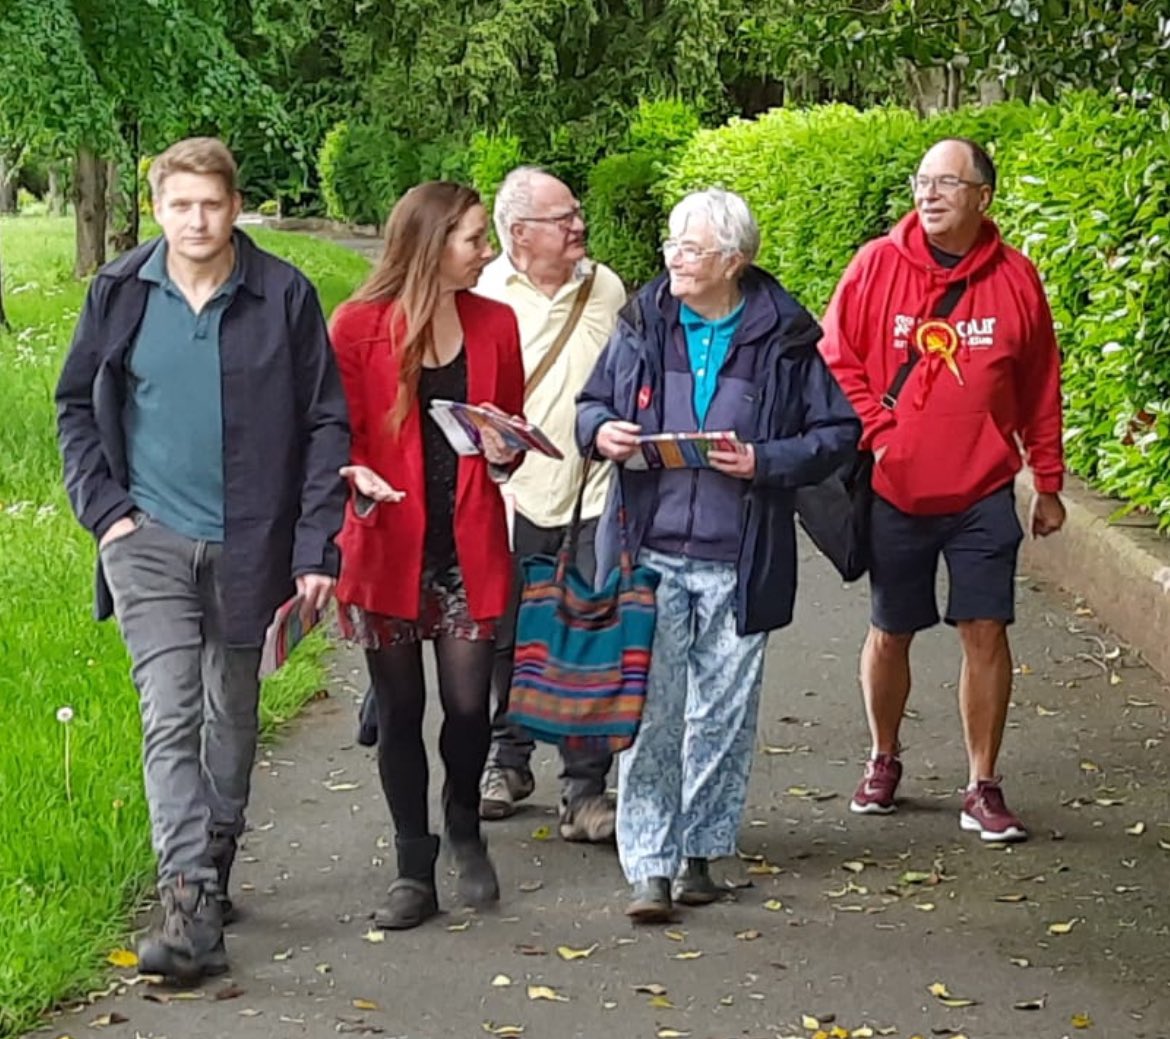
(563, 220)
(947, 183)
(685, 251)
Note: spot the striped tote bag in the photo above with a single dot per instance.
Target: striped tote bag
(582, 655)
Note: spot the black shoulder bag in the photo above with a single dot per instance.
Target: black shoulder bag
(835, 513)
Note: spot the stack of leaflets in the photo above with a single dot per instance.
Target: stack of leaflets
(462, 424)
(289, 626)
(681, 450)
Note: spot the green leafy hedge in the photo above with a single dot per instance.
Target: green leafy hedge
(1084, 191)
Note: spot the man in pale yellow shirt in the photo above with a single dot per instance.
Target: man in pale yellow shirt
(541, 273)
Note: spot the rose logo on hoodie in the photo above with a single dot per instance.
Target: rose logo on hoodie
(939, 337)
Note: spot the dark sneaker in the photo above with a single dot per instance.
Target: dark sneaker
(984, 811)
(694, 886)
(650, 902)
(591, 819)
(500, 789)
(875, 793)
(189, 943)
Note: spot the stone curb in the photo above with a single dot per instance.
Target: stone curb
(1122, 570)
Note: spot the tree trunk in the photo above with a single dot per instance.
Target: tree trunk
(56, 192)
(4, 325)
(89, 207)
(7, 187)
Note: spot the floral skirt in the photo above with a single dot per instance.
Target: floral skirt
(442, 610)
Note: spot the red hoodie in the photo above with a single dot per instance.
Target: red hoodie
(987, 381)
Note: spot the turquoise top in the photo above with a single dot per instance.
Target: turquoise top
(173, 415)
(707, 346)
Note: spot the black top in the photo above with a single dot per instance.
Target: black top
(440, 462)
(943, 258)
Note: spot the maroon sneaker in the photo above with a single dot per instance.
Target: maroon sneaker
(984, 811)
(875, 792)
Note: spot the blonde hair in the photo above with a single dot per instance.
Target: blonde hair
(207, 155)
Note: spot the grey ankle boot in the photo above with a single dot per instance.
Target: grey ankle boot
(476, 878)
(222, 848)
(189, 943)
(412, 897)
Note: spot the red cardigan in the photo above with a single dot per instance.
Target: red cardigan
(382, 554)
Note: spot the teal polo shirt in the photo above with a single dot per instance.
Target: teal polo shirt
(707, 346)
(173, 415)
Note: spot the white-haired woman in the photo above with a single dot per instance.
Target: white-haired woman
(713, 344)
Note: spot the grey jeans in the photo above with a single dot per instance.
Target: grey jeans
(583, 773)
(198, 697)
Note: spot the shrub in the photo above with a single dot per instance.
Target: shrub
(1084, 190)
(363, 170)
(625, 217)
(269, 207)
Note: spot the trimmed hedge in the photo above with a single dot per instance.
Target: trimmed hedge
(1084, 191)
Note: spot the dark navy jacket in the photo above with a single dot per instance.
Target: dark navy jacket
(797, 418)
(286, 431)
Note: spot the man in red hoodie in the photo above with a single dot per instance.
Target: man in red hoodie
(944, 290)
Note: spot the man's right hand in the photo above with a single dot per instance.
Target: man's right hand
(119, 529)
(617, 440)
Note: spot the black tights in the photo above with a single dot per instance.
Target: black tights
(465, 672)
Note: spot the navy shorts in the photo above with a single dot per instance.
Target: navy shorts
(979, 545)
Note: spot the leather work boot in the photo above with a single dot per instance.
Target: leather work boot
(694, 886)
(475, 874)
(650, 902)
(188, 945)
(222, 848)
(412, 897)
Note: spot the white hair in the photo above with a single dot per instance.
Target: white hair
(513, 200)
(736, 230)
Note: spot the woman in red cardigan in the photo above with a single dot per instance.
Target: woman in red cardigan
(425, 546)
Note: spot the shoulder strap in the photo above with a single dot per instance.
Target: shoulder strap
(942, 309)
(558, 345)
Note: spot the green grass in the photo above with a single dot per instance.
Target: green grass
(71, 872)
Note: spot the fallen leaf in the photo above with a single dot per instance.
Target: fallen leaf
(365, 1004)
(459, 927)
(853, 866)
(1114, 678)
(837, 1032)
(608, 1004)
(542, 833)
(675, 936)
(1109, 802)
(530, 950)
(779, 750)
(528, 886)
(774, 905)
(763, 869)
(1031, 1004)
(1011, 898)
(280, 957)
(339, 788)
(1164, 845)
(747, 936)
(507, 1031)
(809, 1022)
(123, 958)
(915, 876)
(323, 969)
(285, 1019)
(660, 1003)
(926, 907)
(1019, 961)
(501, 981)
(112, 1018)
(688, 954)
(544, 992)
(1082, 1021)
(567, 953)
(943, 995)
(250, 1012)
(1063, 928)
(1044, 712)
(864, 1032)
(228, 992)
(671, 1033)
(1136, 830)
(651, 989)
(374, 936)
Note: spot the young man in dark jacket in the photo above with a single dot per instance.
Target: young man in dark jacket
(715, 345)
(202, 425)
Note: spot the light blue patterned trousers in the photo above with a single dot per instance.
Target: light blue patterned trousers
(683, 783)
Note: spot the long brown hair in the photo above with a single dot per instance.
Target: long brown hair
(408, 273)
